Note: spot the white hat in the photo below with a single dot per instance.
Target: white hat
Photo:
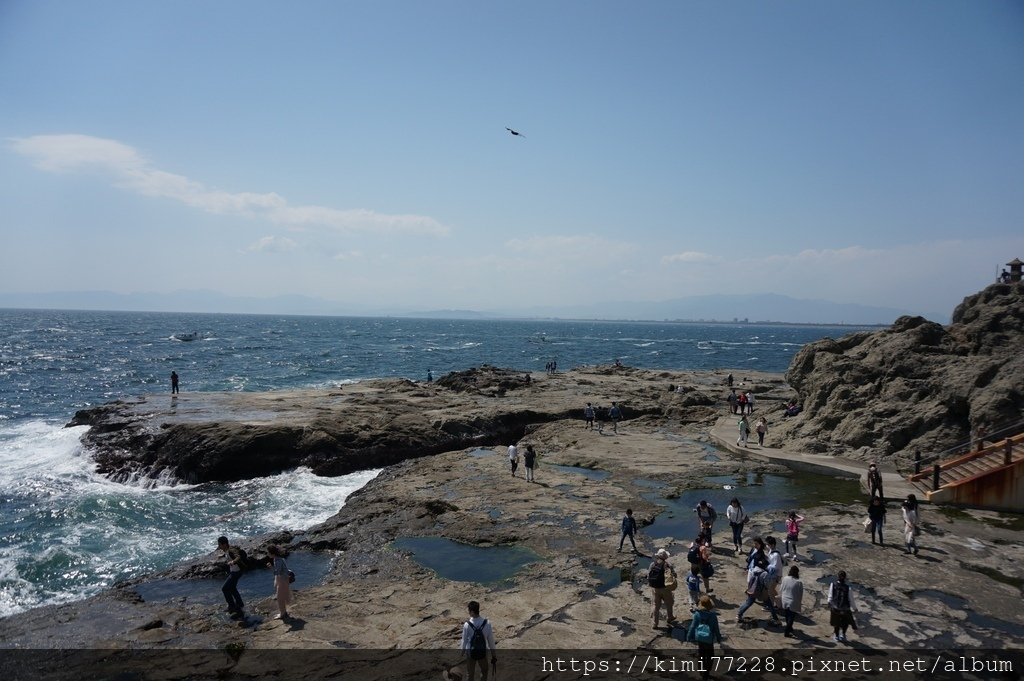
(662, 553)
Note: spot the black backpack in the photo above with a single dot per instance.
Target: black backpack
(693, 555)
(841, 593)
(656, 576)
(477, 642)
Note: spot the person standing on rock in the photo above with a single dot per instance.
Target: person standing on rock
(174, 382)
(761, 429)
(732, 400)
(236, 559)
(477, 641)
(704, 631)
(282, 581)
(793, 521)
(588, 416)
(876, 513)
(659, 593)
(841, 607)
(744, 427)
(628, 529)
(791, 595)
(615, 414)
(737, 519)
(530, 460)
(750, 402)
(875, 480)
(513, 458)
(911, 523)
(741, 403)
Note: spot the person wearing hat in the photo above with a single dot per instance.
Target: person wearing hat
(875, 481)
(660, 593)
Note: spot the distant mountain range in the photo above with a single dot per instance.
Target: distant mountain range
(726, 308)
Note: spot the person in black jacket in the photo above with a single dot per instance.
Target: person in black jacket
(876, 512)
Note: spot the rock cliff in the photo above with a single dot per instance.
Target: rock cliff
(914, 386)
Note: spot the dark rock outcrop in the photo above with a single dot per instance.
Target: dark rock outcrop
(914, 386)
(202, 437)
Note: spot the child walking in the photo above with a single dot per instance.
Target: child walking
(792, 533)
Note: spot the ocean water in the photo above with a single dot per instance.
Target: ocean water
(67, 533)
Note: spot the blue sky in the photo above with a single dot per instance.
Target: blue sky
(866, 152)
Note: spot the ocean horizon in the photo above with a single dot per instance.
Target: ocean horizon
(66, 533)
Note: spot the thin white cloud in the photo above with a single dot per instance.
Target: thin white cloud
(689, 257)
(348, 255)
(133, 172)
(566, 246)
(272, 244)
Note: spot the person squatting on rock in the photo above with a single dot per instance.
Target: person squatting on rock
(628, 529)
(911, 523)
(282, 581)
(236, 563)
(792, 533)
(706, 517)
(704, 631)
(513, 459)
(744, 427)
(875, 481)
(477, 641)
(841, 606)
(791, 595)
(737, 519)
(876, 514)
(661, 579)
(530, 461)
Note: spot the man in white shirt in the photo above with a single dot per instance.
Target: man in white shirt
(477, 640)
(513, 459)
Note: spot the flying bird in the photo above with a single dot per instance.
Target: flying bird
(517, 134)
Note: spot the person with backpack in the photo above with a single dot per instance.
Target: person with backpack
(477, 640)
(704, 631)
(741, 403)
(237, 561)
(737, 519)
(793, 521)
(757, 556)
(628, 529)
(758, 589)
(661, 590)
(615, 414)
(791, 595)
(588, 416)
(840, 603)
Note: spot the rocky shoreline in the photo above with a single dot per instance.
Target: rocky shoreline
(447, 477)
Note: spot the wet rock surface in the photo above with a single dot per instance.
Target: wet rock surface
(963, 588)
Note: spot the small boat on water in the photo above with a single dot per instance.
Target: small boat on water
(186, 336)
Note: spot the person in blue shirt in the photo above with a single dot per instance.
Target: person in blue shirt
(693, 585)
(628, 529)
(704, 632)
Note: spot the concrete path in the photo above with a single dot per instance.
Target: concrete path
(725, 432)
